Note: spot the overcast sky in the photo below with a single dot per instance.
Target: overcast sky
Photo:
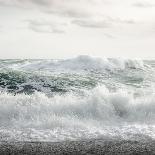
(66, 28)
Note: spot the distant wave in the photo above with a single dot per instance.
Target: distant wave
(79, 63)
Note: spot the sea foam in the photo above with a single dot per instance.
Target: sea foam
(97, 113)
(95, 97)
(97, 105)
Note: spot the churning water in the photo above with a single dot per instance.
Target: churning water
(83, 97)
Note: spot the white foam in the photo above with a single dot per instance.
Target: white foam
(98, 112)
(98, 104)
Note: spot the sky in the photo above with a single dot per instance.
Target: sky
(67, 28)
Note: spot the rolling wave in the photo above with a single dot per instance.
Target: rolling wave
(94, 113)
(82, 97)
(75, 64)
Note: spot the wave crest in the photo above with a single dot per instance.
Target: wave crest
(97, 113)
(97, 105)
(82, 62)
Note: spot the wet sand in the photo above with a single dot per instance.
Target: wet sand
(89, 147)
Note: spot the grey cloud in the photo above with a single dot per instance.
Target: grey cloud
(15, 2)
(68, 8)
(69, 12)
(124, 21)
(45, 26)
(78, 11)
(42, 2)
(94, 24)
(105, 23)
(143, 5)
(91, 23)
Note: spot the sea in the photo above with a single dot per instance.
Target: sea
(84, 97)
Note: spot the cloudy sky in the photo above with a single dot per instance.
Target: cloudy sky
(66, 28)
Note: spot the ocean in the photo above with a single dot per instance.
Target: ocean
(78, 98)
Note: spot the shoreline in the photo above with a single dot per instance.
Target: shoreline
(80, 147)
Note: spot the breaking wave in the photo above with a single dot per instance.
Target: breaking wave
(98, 104)
(79, 63)
(76, 115)
(82, 97)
